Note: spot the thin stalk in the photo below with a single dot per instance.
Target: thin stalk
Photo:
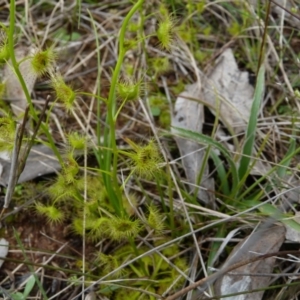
(21, 79)
(98, 97)
(110, 133)
(171, 202)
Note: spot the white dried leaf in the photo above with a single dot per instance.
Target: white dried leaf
(292, 234)
(189, 114)
(261, 166)
(288, 4)
(289, 186)
(261, 242)
(5, 155)
(41, 161)
(3, 250)
(14, 91)
(90, 296)
(228, 91)
(5, 158)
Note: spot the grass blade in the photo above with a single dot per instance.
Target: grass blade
(203, 139)
(252, 125)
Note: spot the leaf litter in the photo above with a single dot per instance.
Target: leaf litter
(254, 275)
(281, 7)
(227, 91)
(4, 245)
(41, 160)
(189, 114)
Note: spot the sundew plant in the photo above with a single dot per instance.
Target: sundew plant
(96, 83)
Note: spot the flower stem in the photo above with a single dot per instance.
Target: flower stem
(15, 65)
(110, 131)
